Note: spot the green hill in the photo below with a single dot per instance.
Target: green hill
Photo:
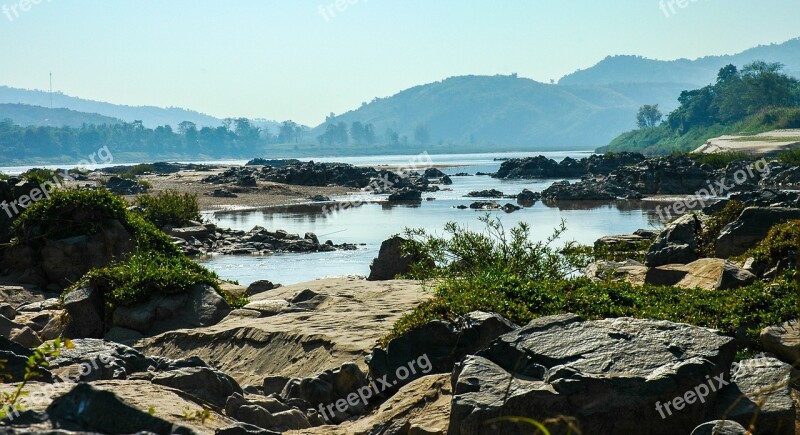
(27, 115)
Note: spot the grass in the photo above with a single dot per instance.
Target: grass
(41, 176)
(722, 160)
(169, 208)
(790, 157)
(782, 240)
(133, 171)
(539, 285)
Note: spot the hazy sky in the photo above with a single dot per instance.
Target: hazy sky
(295, 59)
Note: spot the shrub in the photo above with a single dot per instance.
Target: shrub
(781, 242)
(707, 244)
(790, 157)
(169, 208)
(135, 170)
(522, 280)
(41, 176)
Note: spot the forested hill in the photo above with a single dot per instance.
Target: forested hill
(699, 72)
(27, 115)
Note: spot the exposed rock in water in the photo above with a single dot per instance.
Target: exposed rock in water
(527, 198)
(406, 194)
(484, 205)
(542, 167)
(491, 193)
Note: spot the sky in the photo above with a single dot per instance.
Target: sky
(304, 59)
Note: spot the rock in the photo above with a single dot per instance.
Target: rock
(446, 180)
(86, 309)
(484, 205)
(25, 336)
(124, 186)
(629, 270)
(275, 384)
(94, 360)
(406, 195)
(783, 340)
(627, 242)
(527, 198)
(492, 193)
(601, 189)
(123, 335)
(750, 228)
(391, 262)
(8, 311)
(677, 243)
(705, 273)
(299, 344)
(759, 395)
(197, 232)
(419, 408)
(260, 287)
(607, 374)
(437, 345)
(434, 173)
(338, 387)
(224, 193)
(720, 427)
(261, 414)
(204, 383)
(97, 410)
(511, 208)
(540, 167)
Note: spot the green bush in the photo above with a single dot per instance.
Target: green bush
(521, 280)
(169, 208)
(791, 157)
(780, 241)
(133, 171)
(41, 176)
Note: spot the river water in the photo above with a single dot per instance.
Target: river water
(372, 223)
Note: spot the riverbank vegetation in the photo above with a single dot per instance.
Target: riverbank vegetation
(755, 99)
(506, 273)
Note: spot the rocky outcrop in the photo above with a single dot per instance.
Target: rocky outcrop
(542, 167)
(750, 228)
(406, 195)
(677, 243)
(609, 375)
(783, 340)
(601, 189)
(526, 198)
(440, 343)
(391, 262)
(705, 273)
(491, 193)
(207, 239)
(125, 186)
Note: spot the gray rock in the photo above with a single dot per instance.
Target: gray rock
(608, 374)
(391, 261)
(437, 346)
(8, 311)
(86, 309)
(615, 270)
(720, 427)
(677, 243)
(783, 340)
(204, 383)
(326, 389)
(260, 287)
(88, 409)
(750, 228)
(187, 233)
(760, 394)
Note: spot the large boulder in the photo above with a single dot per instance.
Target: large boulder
(391, 261)
(705, 273)
(342, 391)
(760, 395)
(86, 309)
(610, 375)
(750, 228)
(783, 340)
(438, 344)
(676, 244)
(720, 427)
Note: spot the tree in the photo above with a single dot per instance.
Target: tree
(288, 132)
(649, 116)
(421, 134)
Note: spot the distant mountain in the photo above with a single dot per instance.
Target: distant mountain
(508, 112)
(585, 110)
(27, 115)
(149, 115)
(700, 72)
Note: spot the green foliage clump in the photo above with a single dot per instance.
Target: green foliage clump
(169, 208)
(133, 171)
(41, 176)
(721, 160)
(145, 274)
(790, 157)
(4, 176)
(781, 240)
(707, 244)
(522, 280)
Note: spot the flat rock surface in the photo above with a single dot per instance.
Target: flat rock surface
(764, 143)
(339, 320)
(168, 404)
